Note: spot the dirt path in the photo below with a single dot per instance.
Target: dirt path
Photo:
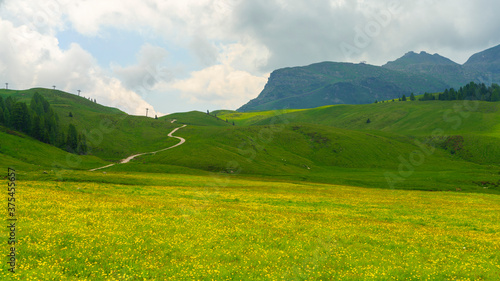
(126, 160)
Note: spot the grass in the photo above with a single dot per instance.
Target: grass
(111, 134)
(196, 118)
(317, 194)
(331, 144)
(23, 152)
(161, 226)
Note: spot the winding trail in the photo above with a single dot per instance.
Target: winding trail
(126, 160)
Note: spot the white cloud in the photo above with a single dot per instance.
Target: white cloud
(32, 59)
(236, 42)
(222, 85)
(148, 71)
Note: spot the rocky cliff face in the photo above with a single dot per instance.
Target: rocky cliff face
(346, 83)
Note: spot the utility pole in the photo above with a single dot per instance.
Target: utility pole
(147, 112)
(79, 92)
(6, 86)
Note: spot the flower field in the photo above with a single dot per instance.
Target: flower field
(188, 228)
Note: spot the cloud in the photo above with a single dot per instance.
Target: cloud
(221, 85)
(301, 33)
(149, 70)
(32, 59)
(230, 46)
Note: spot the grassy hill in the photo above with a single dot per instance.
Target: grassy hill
(195, 118)
(111, 134)
(27, 155)
(331, 144)
(280, 195)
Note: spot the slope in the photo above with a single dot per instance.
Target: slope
(111, 134)
(336, 83)
(435, 65)
(195, 118)
(26, 154)
(475, 122)
(487, 62)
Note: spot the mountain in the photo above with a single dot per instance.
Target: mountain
(336, 83)
(444, 69)
(330, 83)
(487, 62)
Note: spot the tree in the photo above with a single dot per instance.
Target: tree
(9, 103)
(2, 103)
(495, 96)
(156, 116)
(208, 112)
(368, 121)
(72, 139)
(82, 144)
(403, 98)
(37, 129)
(233, 123)
(70, 114)
(38, 104)
(20, 117)
(412, 97)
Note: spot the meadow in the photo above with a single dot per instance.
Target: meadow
(317, 194)
(144, 226)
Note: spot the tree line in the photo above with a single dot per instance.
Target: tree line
(471, 91)
(39, 121)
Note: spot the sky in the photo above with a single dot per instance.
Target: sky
(177, 56)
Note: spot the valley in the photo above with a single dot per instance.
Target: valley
(286, 194)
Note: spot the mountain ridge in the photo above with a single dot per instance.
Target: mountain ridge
(327, 83)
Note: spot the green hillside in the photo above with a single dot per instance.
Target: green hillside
(111, 134)
(195, 118)
(331, 144)
(26, 154)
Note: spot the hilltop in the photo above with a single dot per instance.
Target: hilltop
(359, 145)
(330, 83)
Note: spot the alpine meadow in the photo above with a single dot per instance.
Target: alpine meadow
(297, 146)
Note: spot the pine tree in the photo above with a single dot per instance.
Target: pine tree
(9, 103)
(368, 121)
(37, 130)
(2, 104)
(20, 117)
(70, 114)
(82, 144)
(403, 98)
(495, 96)
(72, 139)
(412, 97)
